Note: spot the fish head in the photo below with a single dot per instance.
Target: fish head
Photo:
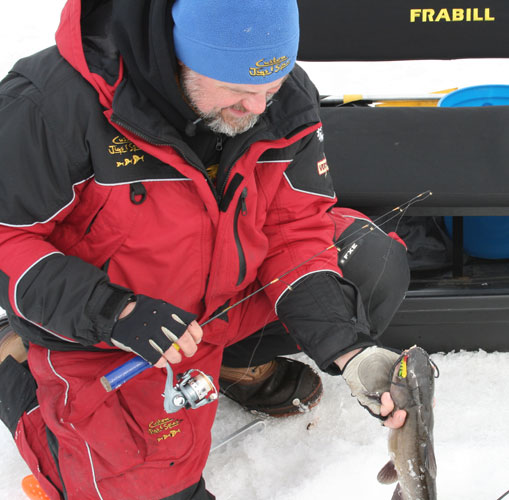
(413, 374)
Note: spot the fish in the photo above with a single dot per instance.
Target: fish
(412, 457)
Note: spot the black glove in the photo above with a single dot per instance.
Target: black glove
(151, 328)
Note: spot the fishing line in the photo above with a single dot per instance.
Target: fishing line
(428, 193)
(255, 348)
(398, 211)
(382, 272)
(121, 374)
(408, 203)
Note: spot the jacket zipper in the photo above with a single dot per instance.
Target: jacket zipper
(242, 150)
(241, 209)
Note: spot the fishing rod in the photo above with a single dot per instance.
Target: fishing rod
(114, 379)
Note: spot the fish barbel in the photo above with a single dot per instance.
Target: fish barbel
(412, 462)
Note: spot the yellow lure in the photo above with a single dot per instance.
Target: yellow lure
(403, 367)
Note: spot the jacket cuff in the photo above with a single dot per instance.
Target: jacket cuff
(106, 307)
(324, 314)
(363, 341)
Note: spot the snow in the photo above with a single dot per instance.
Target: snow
(336, 450)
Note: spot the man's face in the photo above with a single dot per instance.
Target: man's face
(227, 108)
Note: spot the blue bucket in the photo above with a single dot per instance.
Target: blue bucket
(480, 95)
(484, 237)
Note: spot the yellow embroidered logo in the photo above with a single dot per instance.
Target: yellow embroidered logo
(266, 68)
(168, 426)
(450, 15)
(120, 145)
(131, 161)
(323, 168)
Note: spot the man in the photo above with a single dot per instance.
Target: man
(160, 165)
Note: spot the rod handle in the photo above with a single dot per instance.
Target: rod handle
(120, 375)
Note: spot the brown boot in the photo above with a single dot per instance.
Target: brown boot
(279, 388)
(11, 343)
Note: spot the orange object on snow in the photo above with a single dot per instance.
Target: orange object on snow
(32, 489)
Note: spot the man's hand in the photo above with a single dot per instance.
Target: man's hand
(157, 331)
(188, 345)
(397, 419)
(368, 374)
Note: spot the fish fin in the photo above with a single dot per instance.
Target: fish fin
(398, 494)
(431, 463)
(387, 474)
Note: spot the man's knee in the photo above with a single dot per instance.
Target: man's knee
(260, 347)
(378, 265)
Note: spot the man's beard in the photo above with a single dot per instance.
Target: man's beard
(217, 123)
(214, 119)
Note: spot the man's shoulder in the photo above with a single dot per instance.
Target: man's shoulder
(43, 75)
(295, 107)
(302, 80)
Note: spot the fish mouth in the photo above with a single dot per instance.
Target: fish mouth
(404, 358)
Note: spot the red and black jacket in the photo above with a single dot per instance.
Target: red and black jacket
(101, 194)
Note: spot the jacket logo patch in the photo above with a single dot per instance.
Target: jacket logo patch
(168, 427)
(348, 253)
(120, 145)
(266, 68)
(131, 161)
(323, 168)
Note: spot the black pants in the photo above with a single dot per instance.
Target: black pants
(195, 492)
(376, 263)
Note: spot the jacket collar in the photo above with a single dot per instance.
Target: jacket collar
(88, 38)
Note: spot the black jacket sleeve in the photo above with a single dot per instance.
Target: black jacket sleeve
(325, 315)
(46, 294)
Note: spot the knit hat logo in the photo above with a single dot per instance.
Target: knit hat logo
(237, 41)
(266, 68)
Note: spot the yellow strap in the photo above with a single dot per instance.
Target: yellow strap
(352, 98)
(429, 103)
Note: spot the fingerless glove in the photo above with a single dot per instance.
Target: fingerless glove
(151, 328)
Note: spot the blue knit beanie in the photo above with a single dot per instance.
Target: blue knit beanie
(237, 41)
